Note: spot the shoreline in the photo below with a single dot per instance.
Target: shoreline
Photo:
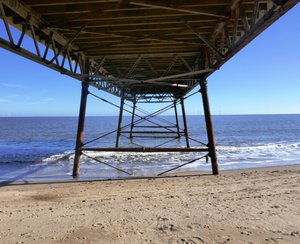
(242, 206)
(82, 178)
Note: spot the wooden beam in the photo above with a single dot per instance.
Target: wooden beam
(149, 55)
(178, 76)
(173, 8)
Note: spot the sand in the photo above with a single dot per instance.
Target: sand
(243, 206)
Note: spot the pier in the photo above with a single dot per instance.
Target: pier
(140, 51)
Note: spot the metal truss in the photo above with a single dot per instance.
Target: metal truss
(58, 53)
(228, 37)
(154, 98)
(52, 49)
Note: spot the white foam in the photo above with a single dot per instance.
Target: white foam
(266, 147)
(65, 156)
(230, 157)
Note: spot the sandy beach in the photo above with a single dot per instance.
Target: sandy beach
(243, 206)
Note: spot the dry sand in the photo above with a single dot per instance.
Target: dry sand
(245, 206)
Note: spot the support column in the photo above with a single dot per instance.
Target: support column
(132, 118)
(120, 121)
(176, 117)
(186, 133)
(209, 128)
(81, 120)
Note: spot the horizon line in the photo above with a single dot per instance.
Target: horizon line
(75, 116)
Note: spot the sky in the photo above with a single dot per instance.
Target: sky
(263, 78)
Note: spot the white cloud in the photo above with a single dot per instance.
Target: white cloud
(11, 85)
(12, 96)
(8, 98)
(42, 101)
(50, 99)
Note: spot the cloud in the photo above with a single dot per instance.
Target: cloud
(12, 96)
(8, 98)
(11, 85)
(50, 99)
(3, 100)
(42, 101)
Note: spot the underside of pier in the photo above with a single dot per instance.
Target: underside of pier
(141, 51)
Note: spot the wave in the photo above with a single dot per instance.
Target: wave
(280, 147)
(65, 156)
(230, 157)
(122, 157)
(263, 147)
(139, 164)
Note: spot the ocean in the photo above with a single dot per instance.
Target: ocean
(42, 148)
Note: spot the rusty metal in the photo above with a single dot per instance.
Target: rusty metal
(151, 132)
(109, 165)
(176, 119)
(132, 118)
(186, 133)
(120, 121)
(81, 120)
(140, 120)
(209, 128)
(181, 165)
(144, 149)
(155, 126)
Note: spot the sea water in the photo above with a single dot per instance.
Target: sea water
(42, 148)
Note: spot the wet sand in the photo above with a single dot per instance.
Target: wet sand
(241, 206)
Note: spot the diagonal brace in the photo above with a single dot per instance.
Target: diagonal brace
(67, 44)
(207, 42)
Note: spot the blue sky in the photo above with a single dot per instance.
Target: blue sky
(263, 78)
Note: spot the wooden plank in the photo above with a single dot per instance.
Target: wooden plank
(169, 77)
(173, 8)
